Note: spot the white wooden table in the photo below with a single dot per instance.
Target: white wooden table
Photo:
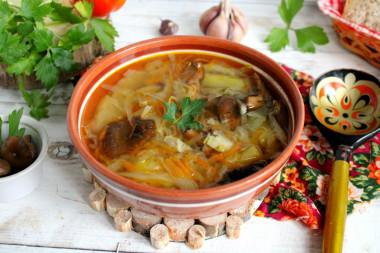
(56, 217)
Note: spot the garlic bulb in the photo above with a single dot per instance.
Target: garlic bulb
(224, 21)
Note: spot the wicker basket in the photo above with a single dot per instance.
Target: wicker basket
(355, 37)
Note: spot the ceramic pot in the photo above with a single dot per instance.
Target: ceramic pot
(184, 203)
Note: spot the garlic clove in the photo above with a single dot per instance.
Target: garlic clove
(239, 19)
(168, 27)
(237, 33)
(219, 27)
(208, 16)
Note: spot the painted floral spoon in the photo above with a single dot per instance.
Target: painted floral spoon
(346, 105)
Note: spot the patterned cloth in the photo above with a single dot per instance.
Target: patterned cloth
(302, 189)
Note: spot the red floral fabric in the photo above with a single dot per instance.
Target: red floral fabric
(302, 189)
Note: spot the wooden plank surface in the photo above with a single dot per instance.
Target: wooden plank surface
(56, 217)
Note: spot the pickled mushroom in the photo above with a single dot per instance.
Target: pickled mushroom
(229, 111)
(121, 136)
(19, 152)
(5, 167)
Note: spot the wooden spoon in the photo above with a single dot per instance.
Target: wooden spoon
(346, 105)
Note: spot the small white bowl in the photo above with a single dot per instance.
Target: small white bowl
(17, 186)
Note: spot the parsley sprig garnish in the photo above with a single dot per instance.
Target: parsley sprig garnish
(306, 37)
(189, 109)
(28, 46)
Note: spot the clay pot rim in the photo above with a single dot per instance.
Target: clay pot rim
(182, 42)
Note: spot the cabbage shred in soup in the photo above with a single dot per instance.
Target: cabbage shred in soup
(187, 121)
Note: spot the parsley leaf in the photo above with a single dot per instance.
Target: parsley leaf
(171, 111)
(105, 32)
(288, 10)
(22, 65)
(11, 47)
(308, 35)
(188, 111)
(36, 100)
(43, 39)
(47, 72)
(34, 9)
(278, 37)
(64, 14)
(78, 35)
(84, 8)
(62, 58)
(14, 122)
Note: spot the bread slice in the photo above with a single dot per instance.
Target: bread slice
(364, 12)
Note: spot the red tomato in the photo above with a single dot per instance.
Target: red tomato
(104, 7)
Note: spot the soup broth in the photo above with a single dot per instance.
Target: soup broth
(186, 121)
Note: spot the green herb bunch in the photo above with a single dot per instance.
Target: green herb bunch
(28, 46)
(306, 37)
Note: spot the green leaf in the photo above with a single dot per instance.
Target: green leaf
(84, 8)
(311, 155)
(64, 14)
(308, 174)
(105, 32)
(5, 11)
(47, 72)
(14, 122)
(171, 111)
(11, 47)
(78, 35)
(362, 170)
(351, 205)
(37, 102)
(278, 39)
(375, 149)
(25, 28)
(34, 9)
(187, 122)
(362, 181)
(361, 158)
(192, 108)
(289, 9)
(43, 39)
(309, 35)
(22, 65)
(312, 188)
(321, 159)
(62, 58)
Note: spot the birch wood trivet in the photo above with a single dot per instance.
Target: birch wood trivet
(163, 229)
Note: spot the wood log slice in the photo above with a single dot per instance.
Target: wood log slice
(159, 236)
(178, 228)
(98, 199)
(142, 222)
(85, 56)
(123, 220)
(196, 236)
(233, 225)
(87, 175)
(245, 211)
(214, 225)
(114, 204)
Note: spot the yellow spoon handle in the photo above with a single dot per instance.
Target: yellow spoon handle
(336, 209)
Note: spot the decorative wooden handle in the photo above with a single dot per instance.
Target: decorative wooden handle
(336, 209)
